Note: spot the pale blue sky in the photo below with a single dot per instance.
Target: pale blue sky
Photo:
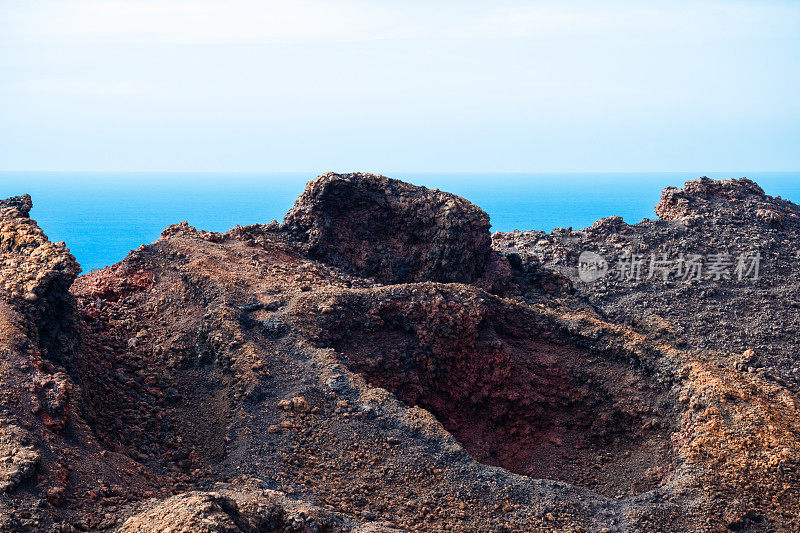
(399, 86)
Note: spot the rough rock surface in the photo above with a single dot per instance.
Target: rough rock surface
(719, 221)
(390, 230)
(18, 206)
(237, 510)
(246, 381)
(18, 459)
(735, 199)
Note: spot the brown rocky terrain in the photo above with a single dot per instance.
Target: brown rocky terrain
(380, 362)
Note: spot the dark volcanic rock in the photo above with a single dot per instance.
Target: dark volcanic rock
(736, 199)
(718, 223)
(23, 204)
(390, 230)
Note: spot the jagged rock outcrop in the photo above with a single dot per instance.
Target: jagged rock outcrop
(37, 336)
(35, 277)
(18, 206)
(36, 314)
(735, 199)
(390, 230)
(31, 266)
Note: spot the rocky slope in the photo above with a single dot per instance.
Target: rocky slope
(380, 362)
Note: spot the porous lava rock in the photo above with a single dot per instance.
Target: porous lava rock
(19, 206)
(735, 199)
(390, 230)
(30, 265)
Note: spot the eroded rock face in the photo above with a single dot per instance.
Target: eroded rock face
(735, 199)
(36, 312)
(30, 265)
(35, 276)
(390, 230)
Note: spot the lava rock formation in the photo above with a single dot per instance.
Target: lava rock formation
(390, 230)
(379, 362)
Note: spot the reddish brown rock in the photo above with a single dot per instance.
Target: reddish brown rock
(733, 199)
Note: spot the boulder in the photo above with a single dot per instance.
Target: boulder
(396, 232)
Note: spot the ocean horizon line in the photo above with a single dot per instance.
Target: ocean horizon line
(102, 216)
(409, 172)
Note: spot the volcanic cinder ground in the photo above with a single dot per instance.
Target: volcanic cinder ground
(380, 362)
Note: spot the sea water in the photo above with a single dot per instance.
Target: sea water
(102, 216)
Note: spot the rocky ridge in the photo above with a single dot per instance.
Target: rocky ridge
(372, 364)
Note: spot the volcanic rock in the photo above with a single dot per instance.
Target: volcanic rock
(392, 231)
(18, 206)
(735, 199)
(18, 459)
(290, 378)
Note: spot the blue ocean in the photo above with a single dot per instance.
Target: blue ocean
(102, 216)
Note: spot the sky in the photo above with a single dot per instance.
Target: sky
(392, 86)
